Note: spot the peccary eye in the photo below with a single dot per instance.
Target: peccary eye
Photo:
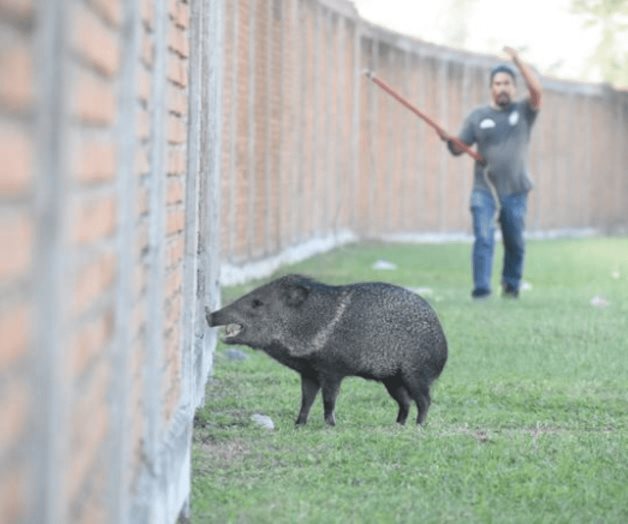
(257, 303)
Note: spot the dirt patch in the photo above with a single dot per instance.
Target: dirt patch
(224, 452)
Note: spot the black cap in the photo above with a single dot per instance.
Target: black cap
(503, 68)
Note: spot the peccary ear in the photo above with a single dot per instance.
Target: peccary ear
(295, 294)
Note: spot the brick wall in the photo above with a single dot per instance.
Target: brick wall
(103, 350)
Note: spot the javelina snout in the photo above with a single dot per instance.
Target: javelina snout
(208, 317)
(372, 330)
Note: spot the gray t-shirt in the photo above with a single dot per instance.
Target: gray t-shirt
(503, 139)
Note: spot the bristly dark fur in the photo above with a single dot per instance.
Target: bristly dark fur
(373, 330)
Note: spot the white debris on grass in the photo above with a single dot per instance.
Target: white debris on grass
(263, 421)
(384, 265)
(616, 275)
(599, 302)
(526, 286)
(236, 355)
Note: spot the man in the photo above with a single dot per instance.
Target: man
(501, 131)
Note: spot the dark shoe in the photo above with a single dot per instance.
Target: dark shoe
(479, 294)
(509, 291)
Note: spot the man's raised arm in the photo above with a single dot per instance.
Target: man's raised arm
(532, 81)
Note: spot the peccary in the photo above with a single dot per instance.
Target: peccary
(372, 330)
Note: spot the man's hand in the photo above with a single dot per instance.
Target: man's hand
(512, 53)
(442, 134)
(532, 82)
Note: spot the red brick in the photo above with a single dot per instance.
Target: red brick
(177, 100)
(147, 12)
(173, 310)
(88, 342)
(16, 81)
(173, 8)
(94, 100)
(173, 283)
(177, 41)
(95, 161)
(177, 70)
(173, 347)
(177, 132)
(89, 424)
(95, 42)
(175, 351)
(174, 344)
(89, 506)
(174, 194)
(110, 10)
(175, 251)
(94, 218)
(88, 402)
(20, 9)
(92, 281)
(13, 491)
(172, 400)
(15, 326)
(177, 161)
(183, 16)
(16, 168)
(16, 239)
(16, 407)
(175, 221)
(169, 372)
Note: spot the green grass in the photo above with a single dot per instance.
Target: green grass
(528, 421)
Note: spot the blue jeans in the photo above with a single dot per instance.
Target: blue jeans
(512, 223)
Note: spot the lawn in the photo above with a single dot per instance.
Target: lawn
(528, 421)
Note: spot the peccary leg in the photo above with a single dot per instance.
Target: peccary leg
(423, 402)
(309, 390)
(421, 396)
(331, 387)
(400, 394)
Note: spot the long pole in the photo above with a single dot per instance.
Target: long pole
(459, 143)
